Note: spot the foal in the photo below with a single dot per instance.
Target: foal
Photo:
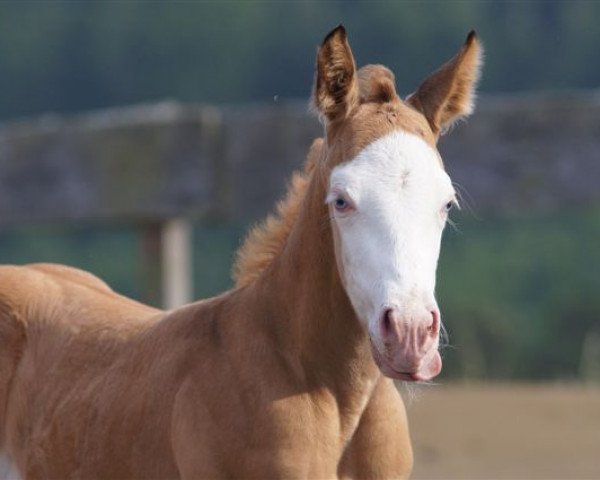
(282, 376)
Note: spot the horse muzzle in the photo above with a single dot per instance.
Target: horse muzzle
(409, 344)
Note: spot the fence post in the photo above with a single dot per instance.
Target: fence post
(176, 260)
(150, 271)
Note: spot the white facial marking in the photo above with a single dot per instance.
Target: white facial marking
(389, 207)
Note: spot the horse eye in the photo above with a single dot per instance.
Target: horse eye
(340, 204)
(448, 206)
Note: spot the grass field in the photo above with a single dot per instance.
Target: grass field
(506, 432)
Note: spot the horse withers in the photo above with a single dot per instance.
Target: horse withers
(288, 375)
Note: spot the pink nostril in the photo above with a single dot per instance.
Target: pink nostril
(434, 328)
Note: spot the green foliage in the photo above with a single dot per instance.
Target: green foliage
(214, 251)
(67, 56)
(520, 294)
(113, 254)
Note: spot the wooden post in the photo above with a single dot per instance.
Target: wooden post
(176, 259)
(150, 267)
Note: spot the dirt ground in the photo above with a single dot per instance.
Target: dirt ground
(505, 432)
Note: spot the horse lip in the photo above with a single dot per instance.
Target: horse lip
(388, 370)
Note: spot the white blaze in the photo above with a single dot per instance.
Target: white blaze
(388, 241)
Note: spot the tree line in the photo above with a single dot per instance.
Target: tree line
(71, 56)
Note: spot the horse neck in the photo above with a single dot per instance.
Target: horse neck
(315, 320)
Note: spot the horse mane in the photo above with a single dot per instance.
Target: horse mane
(266, 239)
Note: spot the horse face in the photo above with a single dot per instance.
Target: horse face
(388, 206)
(388, 195)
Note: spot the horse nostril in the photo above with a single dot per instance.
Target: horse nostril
(387, 320)
(434, 327)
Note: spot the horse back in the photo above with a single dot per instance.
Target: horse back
(63, 335)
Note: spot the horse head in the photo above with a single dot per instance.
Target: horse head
(388, 195)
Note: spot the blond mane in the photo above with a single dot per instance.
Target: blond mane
(265, 240)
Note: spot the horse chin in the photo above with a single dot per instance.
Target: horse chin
(428, 371)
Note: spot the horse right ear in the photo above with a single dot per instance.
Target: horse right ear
(336, 85)
(448, 94)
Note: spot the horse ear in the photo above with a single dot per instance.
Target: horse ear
(336, 85)
(448, 94)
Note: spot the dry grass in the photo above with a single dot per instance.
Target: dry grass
(506, 432)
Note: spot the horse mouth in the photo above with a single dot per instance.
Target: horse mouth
(426, 372)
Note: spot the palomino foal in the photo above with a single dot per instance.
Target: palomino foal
(279, 377)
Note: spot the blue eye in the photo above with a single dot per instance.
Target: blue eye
(340, 203)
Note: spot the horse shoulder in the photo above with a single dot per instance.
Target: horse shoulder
(380, 447)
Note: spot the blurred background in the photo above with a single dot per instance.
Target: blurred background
(118, 117)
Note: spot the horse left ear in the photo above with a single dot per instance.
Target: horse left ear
(448, 94)
(336, 86)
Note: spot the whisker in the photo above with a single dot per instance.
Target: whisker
(466, 199)
(454, 225)
(444, 336)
